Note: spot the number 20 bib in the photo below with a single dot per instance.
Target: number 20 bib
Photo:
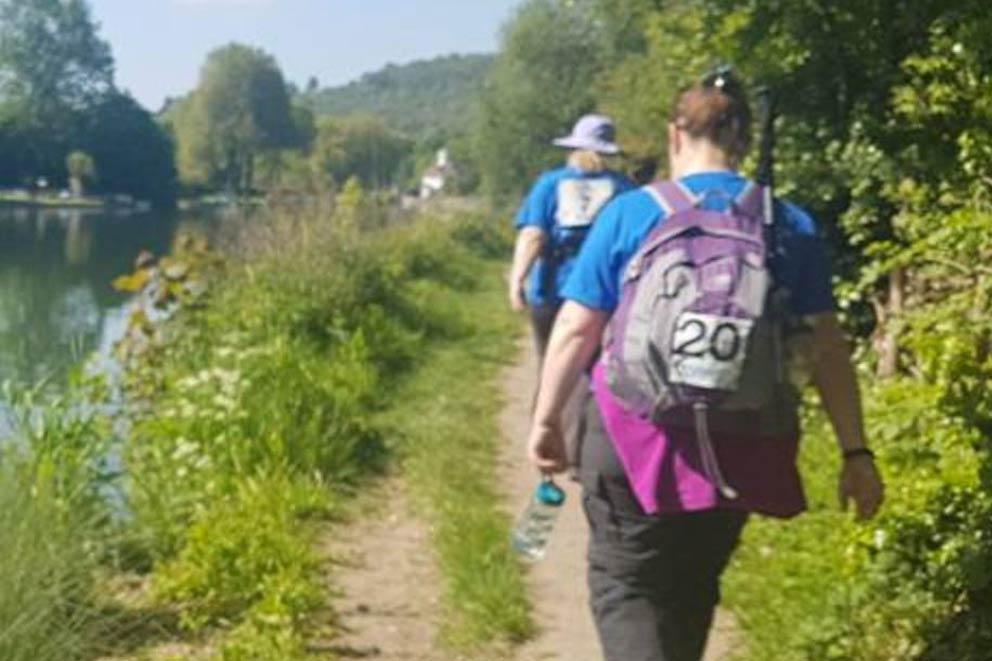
(708, 351)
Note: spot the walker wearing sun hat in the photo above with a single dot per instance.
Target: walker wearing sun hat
(563, 204)
(594, 133)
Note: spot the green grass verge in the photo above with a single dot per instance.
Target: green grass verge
(446, 416)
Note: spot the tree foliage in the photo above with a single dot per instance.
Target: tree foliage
(239, 110)
(57, 96)
(427, 98)
(886, 108)
(363, 147)
(51, 60)
(81, 170)
(543, 80)
(133, 153)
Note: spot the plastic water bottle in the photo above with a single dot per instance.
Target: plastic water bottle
(531, 535)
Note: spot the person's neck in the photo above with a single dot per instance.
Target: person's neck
(704, 162)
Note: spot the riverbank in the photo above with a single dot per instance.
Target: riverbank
(256, 412)
(26, 200)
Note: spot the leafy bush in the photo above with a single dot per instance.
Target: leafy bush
(249, 554)
(917, 583)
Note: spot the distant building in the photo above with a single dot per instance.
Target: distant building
(437, 177)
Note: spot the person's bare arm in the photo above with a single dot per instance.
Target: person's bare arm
(530, 243)
(576, 336)
(837, 383)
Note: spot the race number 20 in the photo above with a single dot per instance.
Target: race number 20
(708, 351)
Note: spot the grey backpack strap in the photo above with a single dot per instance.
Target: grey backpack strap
(672, 196)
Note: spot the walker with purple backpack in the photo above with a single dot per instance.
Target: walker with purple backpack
(698, 337)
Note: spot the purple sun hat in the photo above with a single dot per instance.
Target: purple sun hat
(593, 132)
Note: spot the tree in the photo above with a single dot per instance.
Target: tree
(543, 80)
(362, 147)
(304, 127)
(51, 58)
(239, 110)
(187, 124)
(52, 66)
(289, 169)
(57, 96)
(134, 154)
(82, 170)
(422, 98)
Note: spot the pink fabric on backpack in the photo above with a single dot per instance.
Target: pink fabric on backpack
(666, 473)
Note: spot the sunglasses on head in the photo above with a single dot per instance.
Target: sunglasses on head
(720, 77)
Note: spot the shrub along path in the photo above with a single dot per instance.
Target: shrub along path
(558, 584)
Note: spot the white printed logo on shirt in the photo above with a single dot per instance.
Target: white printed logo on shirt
(581, 200)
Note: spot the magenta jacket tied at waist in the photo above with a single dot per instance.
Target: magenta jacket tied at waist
(667, 476)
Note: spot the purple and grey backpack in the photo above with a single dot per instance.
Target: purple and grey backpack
(697, 339)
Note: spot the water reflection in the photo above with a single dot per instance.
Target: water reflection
(57, 304)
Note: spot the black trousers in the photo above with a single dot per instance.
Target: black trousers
(654, 580)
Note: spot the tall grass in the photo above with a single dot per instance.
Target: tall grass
(53, 528)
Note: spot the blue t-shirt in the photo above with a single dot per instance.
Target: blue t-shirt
(596, 278)
(564, 203)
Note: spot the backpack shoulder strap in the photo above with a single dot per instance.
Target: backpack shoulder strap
(672, 196)
(752, 200)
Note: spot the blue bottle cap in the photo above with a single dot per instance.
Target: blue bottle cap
(550, 493)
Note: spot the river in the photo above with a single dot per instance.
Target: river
(57, 303)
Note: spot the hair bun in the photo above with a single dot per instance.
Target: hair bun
(716, 108)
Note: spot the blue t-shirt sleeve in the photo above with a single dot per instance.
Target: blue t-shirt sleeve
(536, 211)
(595, 278)
(813, 292)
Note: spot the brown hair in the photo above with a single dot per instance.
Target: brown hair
(717, 112)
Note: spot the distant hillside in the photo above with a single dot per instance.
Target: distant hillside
(420, 98)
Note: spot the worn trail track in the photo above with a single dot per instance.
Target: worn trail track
(383, 570)
(389, 585)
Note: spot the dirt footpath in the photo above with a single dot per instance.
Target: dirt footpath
(383, 570)
(558, 584)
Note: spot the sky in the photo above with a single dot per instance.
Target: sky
(159, 45)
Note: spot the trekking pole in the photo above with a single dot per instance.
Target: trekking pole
(766, 178)
(766, 161)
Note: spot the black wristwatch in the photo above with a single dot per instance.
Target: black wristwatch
(858, 452)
